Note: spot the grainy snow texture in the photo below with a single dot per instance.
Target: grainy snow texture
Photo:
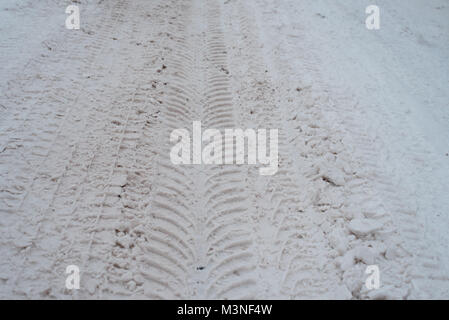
(86, 178)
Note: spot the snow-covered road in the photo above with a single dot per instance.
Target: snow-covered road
(86, 177)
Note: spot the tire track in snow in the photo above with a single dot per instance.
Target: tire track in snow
(423, 270)
(43, 139)
(368, 193)
(66, 46)
(167, 233)
(80, 150)
(107, 217)
(293, 249)
(231, 267)
(196, 241)
(104, 195)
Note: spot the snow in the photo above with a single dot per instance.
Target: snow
(85, 170)
(363, 227)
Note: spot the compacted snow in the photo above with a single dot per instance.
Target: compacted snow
(86, 177)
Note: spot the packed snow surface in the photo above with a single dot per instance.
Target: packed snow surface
(85, 171)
